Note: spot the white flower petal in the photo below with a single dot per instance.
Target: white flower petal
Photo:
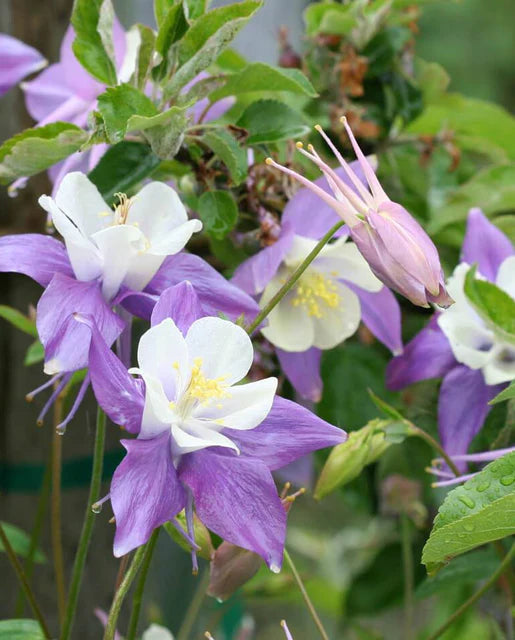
(171, 242)
(141, 269)
(338, 323)
(155, 210)
(157, 414)
(506, 276)
(300, 248)
(133, 42)
(501, 366)
(162, 353)
(193, 436)
(344, 261)
(246, 408)
(289, 327)
(118, 245)
(85, 258)
(81, 201)
(224, 348)
(157, 632)
(470, 342)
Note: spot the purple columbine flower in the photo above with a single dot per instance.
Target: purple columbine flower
(335, 293)
(456, 345)
(393, 243)
(17, 60)
(203, 439)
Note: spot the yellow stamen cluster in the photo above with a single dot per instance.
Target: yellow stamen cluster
(121, 212)
(314, 292)
(204, 389)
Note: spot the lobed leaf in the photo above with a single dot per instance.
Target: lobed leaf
(34, 150)
(481, 510)
(205, 40)
(218, 212)
(223, 144)
(118, 104)
(271, 121)
(259, 76)
(92, 21)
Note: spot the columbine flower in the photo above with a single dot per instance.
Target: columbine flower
(474, 363)
(106, 254)
(17, 60)
(395, 246)
(202, 438)
(326, 305)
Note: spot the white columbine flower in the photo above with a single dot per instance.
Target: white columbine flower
(472, 341)
(320, 310)
(124, 246)
(190, 384)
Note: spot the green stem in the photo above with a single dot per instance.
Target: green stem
(307, 600)
(119, 596)
(138, 592)
(55, 508)
(35, 535)
(294, 277)
(407, 563)
(23, 582)
(194, 607)
(505, 564)
(436, 445)
(87, 526)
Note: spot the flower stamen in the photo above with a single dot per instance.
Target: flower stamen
(316, 293)
(121, 212)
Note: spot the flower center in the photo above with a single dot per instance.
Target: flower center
(205, 389)
(316, 294)
(121, 212)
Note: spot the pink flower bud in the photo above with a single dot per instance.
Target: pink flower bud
(396, 247)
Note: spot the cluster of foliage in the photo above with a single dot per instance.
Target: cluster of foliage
(382, 536)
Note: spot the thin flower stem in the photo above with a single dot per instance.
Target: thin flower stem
(407, 563)
(119, 596)
(140, 586)
(87, 527)
(436, 445)
(505, 564)
(194, 607)
(293, 278)
(121, 570)
(35, 534)
(309, 604)
(23, 582)
(56, 533)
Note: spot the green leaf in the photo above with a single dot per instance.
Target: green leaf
(223, 144)
(470, 116)
(259, 76)
(173, 27)
(464, 570)
(93, 46)
(35, 353)
(202, 535)
(271, 121)
(145, 56)
(20, 630)
(20, 542)
(481, 510)
(231, 60)
(161, 8)
(165, 131)
(206, 39)
(506, 394)
(492, 189)
(118, 104)
(432, 79)
(328, 17)
(34, 150)
(495, 306)
(346, 461)
(195, 8)
(18, 320)
(122, 167)
(218, 212)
